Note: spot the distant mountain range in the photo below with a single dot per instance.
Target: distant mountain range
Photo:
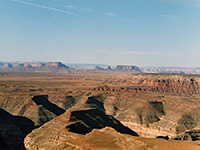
(58, 66)
(50, 66)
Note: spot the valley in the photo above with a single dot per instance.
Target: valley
(99, 110)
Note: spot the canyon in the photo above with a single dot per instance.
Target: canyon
(56, 110)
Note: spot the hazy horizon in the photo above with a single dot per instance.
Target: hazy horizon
(157, 33)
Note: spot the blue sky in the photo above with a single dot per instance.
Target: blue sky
(131, 32)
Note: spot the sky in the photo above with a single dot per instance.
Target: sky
(127, 32)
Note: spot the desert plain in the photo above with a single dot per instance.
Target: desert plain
(99, 111)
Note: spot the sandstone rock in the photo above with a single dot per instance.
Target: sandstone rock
(38, 109)
(71, 126)
(80, 119)
(175, 84)
(108, 88)
(192, 135)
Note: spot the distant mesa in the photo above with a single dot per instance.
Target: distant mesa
(8, 65)
(119, 68)
(109, 68)
(1, 64)
(55, 65)
(50, 66)
(33, 65)
(59, 66)
(97, 68)
(17, 65)
(124, 68)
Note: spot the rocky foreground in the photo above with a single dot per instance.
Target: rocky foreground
(126, 113)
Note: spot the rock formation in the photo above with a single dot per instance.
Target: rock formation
(192, 135)
(177, 84)
(38, 109)
(30, 115)
(79, 111)
(124, 68)
(120, 111)
(86, 117)
(97, 139)
(189, 86)
(13, 130)
(108, 88)
(8, 66)
(33, 65)
(50, 66)
(55, 66)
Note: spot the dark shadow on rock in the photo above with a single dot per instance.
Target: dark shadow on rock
(87, 120)
(191, 135)
(43, 100)
(158, 106)
(150, 112)
(186, 122)
(94, 102)
(163, 137)
(70, 101)
(13, 130)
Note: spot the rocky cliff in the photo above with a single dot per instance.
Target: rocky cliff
(164, 83)
(71, 126)
(38, 109)
(125, 112)
(179, 86)
(126, 104)
(13, 130)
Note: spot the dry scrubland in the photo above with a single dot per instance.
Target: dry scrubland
(99, 111)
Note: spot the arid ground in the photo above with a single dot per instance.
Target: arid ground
(99, 110)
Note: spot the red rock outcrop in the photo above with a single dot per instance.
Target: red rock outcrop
(108, 88)
(164, 83)
(179, 86)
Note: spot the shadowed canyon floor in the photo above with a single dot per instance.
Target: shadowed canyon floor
(99, 111)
